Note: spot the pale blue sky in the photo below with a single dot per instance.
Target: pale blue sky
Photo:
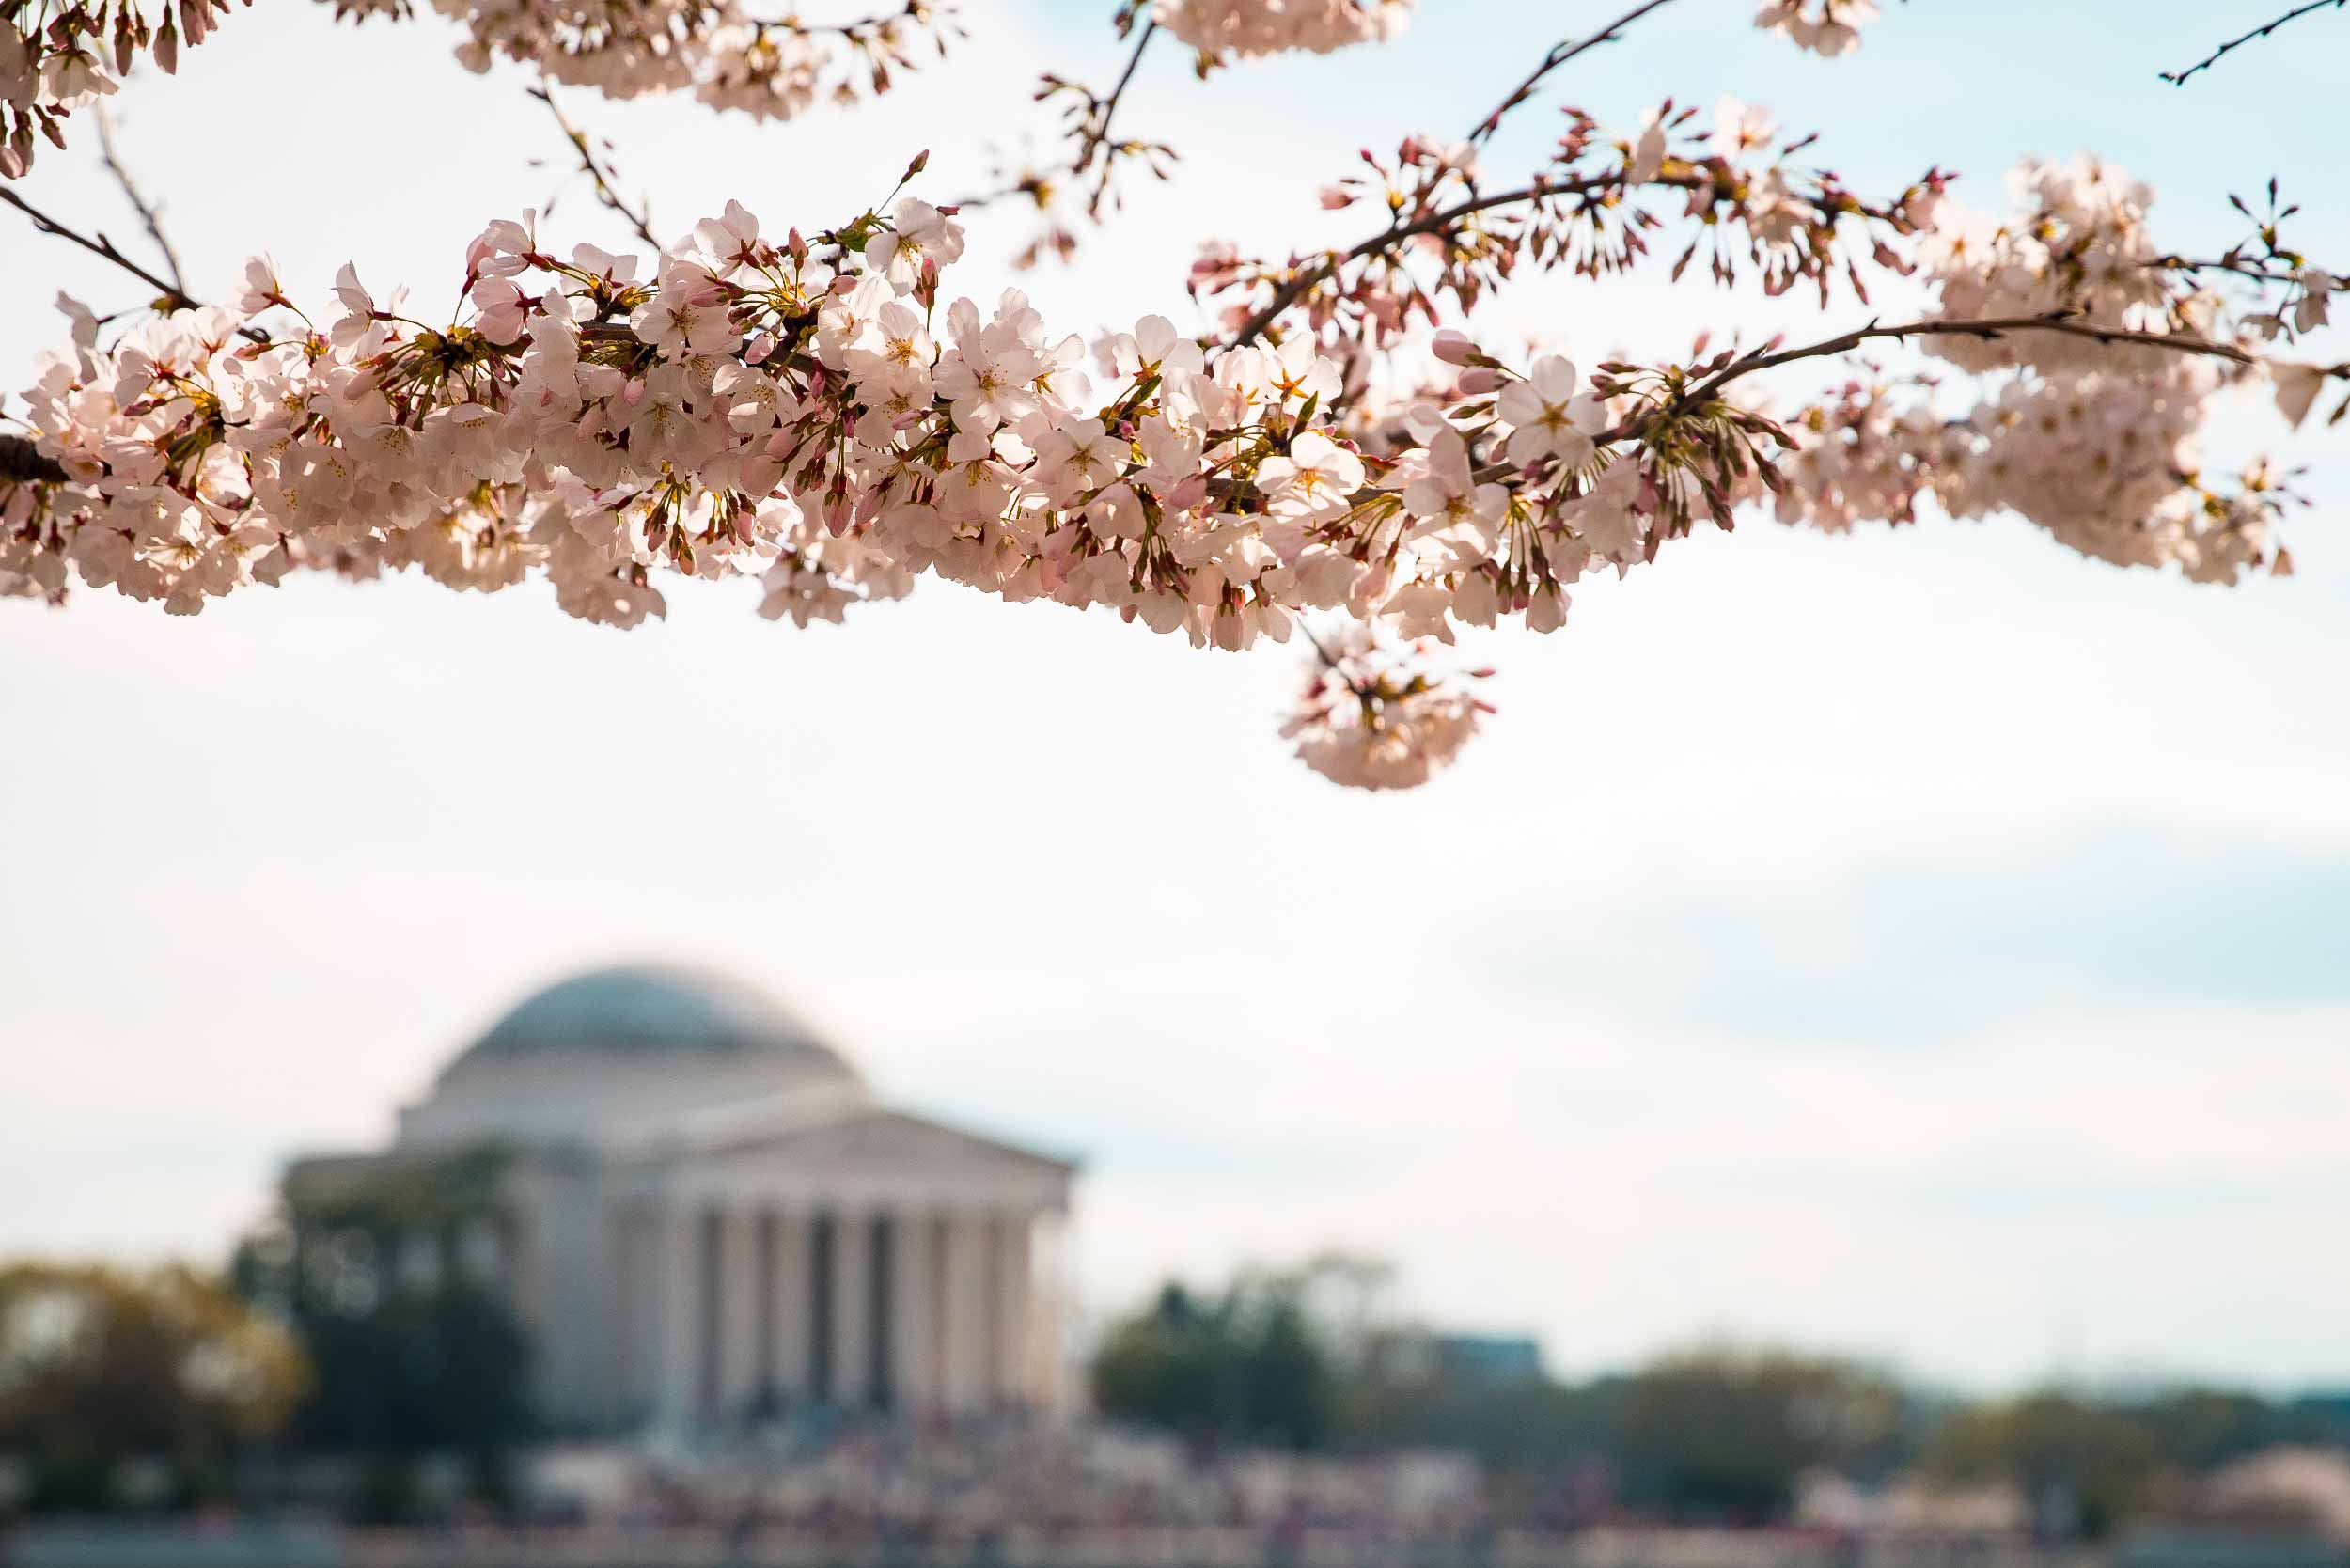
(1931, 945)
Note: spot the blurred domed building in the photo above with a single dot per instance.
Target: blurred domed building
(700, 1212)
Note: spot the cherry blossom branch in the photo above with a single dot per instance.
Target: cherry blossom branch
(2179, 78)
(638, 218)
(167, 296)
(1295, 289)
(1093, 151)
(914, 11)
(1559, 55)
(21, 460)
(147, 213)
(166, 293)
(2235, 266)
(1986, 327)
(1098, 136)
(1311, 277)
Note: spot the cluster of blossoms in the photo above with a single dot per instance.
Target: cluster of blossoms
(56, 59)
(804, 412)
(809, 414)
(724, 55)
(819, 415)
(1240, 29)
(1379, 715)
(1828, 28)
(2095, 441)
(1451, 237)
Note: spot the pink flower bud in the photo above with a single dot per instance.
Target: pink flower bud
(1455, 348)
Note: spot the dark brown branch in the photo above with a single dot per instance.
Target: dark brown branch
(22, 462)
(1097, 138)
(1559, 55)
(167, 296)
(2179, 78)
(166, 293)
(1091, 135)
(1985, 327)
(148, 214)
(637, 218)
(1312, 276)
(914, 11)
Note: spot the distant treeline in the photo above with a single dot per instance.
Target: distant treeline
(1302, 1358)
(158, 1389)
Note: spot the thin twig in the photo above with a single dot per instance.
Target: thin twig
(914, 11)
(1560, 55)
(2253, 270)
(1308, 278)
(638, 218)
(167, 294)
(148, 214)
(2179, 78)
(1092, 137)
(1436, 223)
(1097, 140)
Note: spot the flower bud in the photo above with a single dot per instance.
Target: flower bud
(1455, 348)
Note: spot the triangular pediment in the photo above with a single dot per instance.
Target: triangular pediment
(873, 1139)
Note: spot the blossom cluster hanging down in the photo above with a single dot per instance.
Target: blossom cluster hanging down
(1828, 28)
(1240, 29)
(728, 55)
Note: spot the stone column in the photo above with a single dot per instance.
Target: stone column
(914, 1295)
(675, 1320)
(852, 1306)
(793, 1292)
(1015, 1274)
(738, 1283)
(963, 1302)
(1048, 1300)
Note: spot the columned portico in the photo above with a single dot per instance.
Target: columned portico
(913, 1308)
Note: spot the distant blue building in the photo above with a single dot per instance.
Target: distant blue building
(1489, 1361)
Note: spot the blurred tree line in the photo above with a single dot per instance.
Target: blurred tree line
(121, 1386)
(414, 1351)
(350, 1328)
(1305, 1358)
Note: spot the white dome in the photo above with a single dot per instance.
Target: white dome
(644, 1008)
(629, 1054)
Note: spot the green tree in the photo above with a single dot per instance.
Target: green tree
(2069, 1456)
(406, 1361)
(1248, 1364)
(1724, 1432)
(100, 1368)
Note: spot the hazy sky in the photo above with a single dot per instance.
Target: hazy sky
(1929, 943)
